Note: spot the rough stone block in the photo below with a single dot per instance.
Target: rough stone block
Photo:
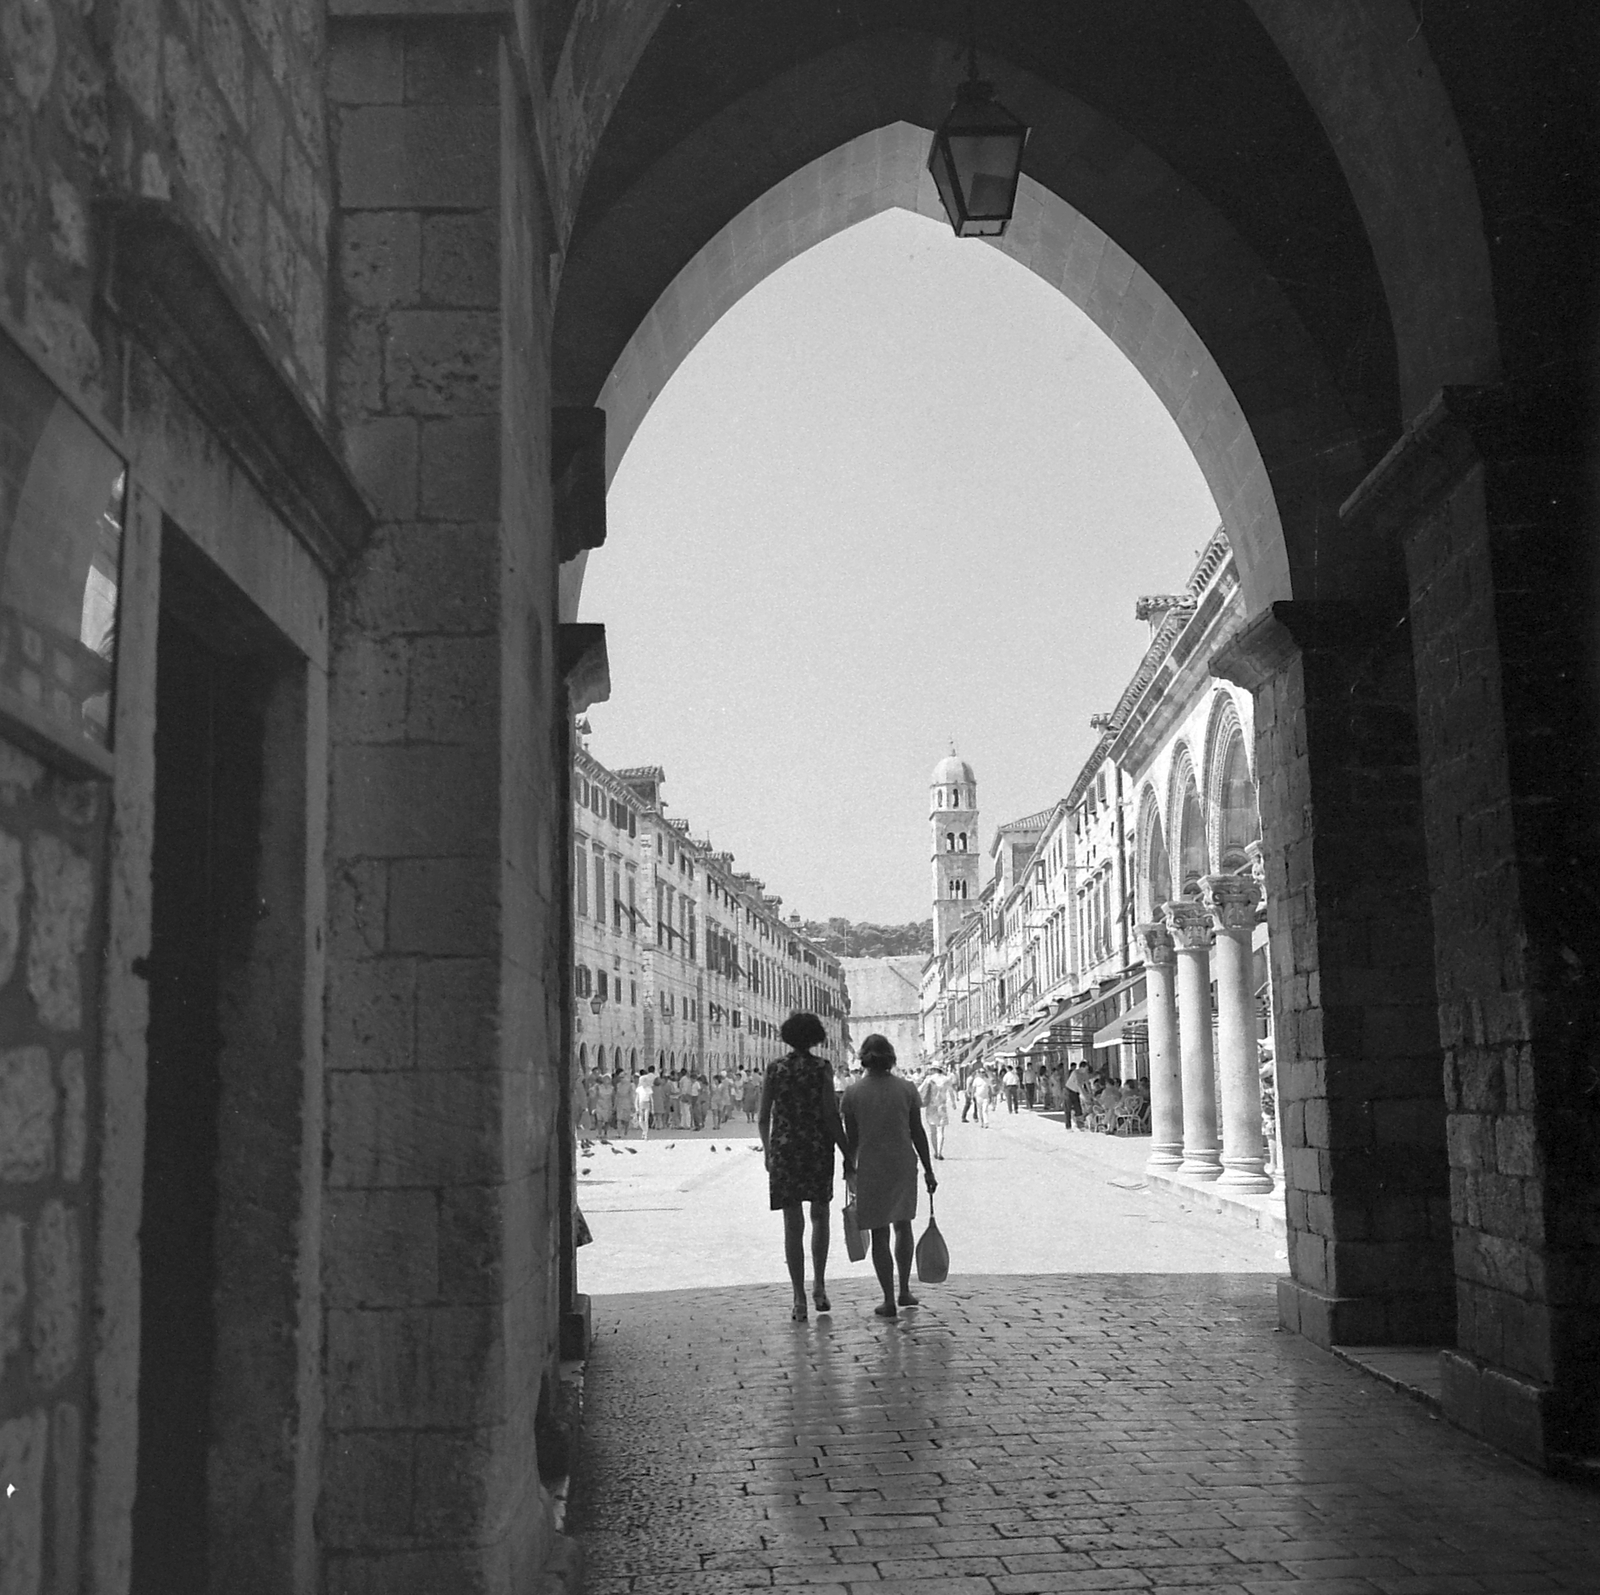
(454, 694)
(409, 1129)
(13, 1286)
(442, 363)
(458, 1006)
(1470, 1139)
(461, 1569)
(453, 66)
(1516, 1146)
(66, 1492)
(368, 702)
(57, 1293)
(371, 1008)
(467, 1479)
(1409, 1123)
(485, 1243)
(411, 1368)
(367, 1488)
(460, 469)
(63, 895)
(437, 157)
(382, 455)
(74, 1123)
(461, 260)
(367, 67)
(443, 907)
(23, 1445)
(381, 1248)
(358, 909)
(393, 801)
(422, 578)
(27, 1114)
(380, 255)
(12, 882)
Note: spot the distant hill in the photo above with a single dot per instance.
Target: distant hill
(845, 939)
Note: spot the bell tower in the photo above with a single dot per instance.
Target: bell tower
(953, 820)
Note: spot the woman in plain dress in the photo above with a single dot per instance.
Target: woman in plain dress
(883, 1129)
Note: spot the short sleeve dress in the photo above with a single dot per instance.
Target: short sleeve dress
(878, 1111)
(799, 1148)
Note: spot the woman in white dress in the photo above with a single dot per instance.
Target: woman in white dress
(938, 1101)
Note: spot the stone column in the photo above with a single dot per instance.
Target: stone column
(1166, 1078)
(1190, 927)
(1231, 901)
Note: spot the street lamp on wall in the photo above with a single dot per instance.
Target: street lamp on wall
(976, 157)
(596, 1004)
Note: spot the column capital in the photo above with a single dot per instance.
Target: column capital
(1231, 900)
(1189, 924)
(1258, 865)
(1155, 941)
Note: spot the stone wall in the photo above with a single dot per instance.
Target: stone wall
(1358, 1063)
(217, 107)
(52, 857)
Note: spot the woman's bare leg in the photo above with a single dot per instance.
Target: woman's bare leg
(904, 1249)
(794, 1254)
(883, 1264)
(819, 1256)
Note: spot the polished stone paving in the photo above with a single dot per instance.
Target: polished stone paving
(1032, 1434)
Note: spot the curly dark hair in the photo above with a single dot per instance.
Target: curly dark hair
(877, 1054)
(802, 1031)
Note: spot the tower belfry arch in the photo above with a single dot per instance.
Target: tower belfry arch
(953, 819)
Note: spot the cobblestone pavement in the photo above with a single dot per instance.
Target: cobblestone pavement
(1022, 1435)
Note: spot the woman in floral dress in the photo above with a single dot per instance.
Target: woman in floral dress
(799, 1126)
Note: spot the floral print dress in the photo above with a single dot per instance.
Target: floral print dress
(799, 1146)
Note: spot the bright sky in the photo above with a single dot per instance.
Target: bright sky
(902, 492)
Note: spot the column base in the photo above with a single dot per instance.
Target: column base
(575, 1332)
(1245, 1174)
(1329, 1321)
(1165, 1155)
(1204, 1164)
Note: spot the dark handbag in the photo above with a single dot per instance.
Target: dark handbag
(933, 1256)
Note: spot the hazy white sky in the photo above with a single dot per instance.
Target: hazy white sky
(902, 492)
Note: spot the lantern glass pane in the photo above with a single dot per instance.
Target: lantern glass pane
(986, 171)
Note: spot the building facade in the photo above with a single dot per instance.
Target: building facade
(885, 1000)
(681, 961)
(1093, 928)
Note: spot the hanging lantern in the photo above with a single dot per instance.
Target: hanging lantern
(976, 160)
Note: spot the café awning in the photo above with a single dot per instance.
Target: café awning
(1125, 1027)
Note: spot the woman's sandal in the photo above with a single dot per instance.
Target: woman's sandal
(820, 1297)
(886, 1310)
(797, 1313)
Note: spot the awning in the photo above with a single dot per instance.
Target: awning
(1109, 1035)
(1077, 1015)
(1031, 1034)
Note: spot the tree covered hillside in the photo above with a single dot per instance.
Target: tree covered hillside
(844, 939)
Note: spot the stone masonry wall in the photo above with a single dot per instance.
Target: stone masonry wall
(1516, 927)
(439, 1284)
(216, 106)
(52, 851)
(1358, 1062)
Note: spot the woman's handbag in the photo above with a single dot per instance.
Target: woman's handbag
(933, 1256)
(855, 1243)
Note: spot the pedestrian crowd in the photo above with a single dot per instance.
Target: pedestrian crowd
(663, 1099)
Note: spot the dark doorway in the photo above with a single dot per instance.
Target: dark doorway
(209, 738)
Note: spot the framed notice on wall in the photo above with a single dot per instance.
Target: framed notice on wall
(63, 490)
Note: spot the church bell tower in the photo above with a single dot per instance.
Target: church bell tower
(953, 819)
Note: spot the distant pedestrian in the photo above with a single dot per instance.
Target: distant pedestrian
(644, 1101)
(883, 1129)
(1079, 1085)
(1012, 1081)
(1030, 1082)
(799, 1125)
(750, 1096)
(938, 1103)
(982, 1097)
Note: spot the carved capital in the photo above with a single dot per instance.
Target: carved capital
(1190, 926)
(1155, 943)
(1231, 900)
